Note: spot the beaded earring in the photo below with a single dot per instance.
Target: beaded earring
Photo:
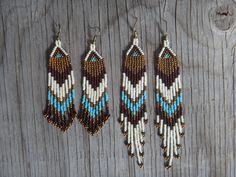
(133, 115)
(94, 111)
(169, 119)
(60, 109)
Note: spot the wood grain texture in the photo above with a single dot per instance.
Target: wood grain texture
(29, 146)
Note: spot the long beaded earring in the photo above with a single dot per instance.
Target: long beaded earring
(60, 109)
(169, 119)
(94, 111)
(133, 115)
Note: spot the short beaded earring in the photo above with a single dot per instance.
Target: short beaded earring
(94, 111)
(169, 119)
(60, 109)
(133, 115)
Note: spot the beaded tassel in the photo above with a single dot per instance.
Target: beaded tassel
(170, 121)
(60, 109)
(133, 95)
(94, 111)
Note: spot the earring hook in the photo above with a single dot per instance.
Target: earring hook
(98, 34)
(133, 28)
(165, 25)
(58, 32)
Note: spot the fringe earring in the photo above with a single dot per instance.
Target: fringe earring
(133, 115)
(169, 119)
(60, 109)
(94, 111)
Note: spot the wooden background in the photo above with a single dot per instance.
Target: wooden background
(203, 34)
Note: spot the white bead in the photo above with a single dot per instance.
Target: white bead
(69, 81)
(84, 83)
(137, 90)
(129, 85)
(129, 132)
(182, 119)
(132, 139)
(138, 137)
(157, 119)
(131, 93)
(173, 90)
(121, 117)
(168, 142)
(58, 43)
(157, 82)
(165, 135)
(161, 127)
(145, 78)
(63, 90)
(135, 140)
(98, 93)
(160, 84)
(91, 94)
(145, 116)
(142, 125)
(179, 82)
(92, 46)
(180, 126)
(135, 41)
(49, 79)
(123, 80)
(174, 141)
(126, 83)
(72, 77)
(166, 43)
(125, 124)
(171, 149)
(142, 84)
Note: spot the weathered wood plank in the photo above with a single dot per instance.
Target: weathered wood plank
(202, 34)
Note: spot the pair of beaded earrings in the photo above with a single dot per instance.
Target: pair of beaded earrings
(60, 109)
(169, 118)
(94, 111)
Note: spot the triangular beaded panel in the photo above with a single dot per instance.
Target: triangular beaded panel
(132, 104)
(60, 109)
(94, 111)
(169, 118)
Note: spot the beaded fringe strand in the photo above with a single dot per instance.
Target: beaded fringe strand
(133, 95)
(60, 109)
(170, 121)
(94, 110)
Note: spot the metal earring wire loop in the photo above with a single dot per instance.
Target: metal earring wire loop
(96, 33)
(58, 32)
(135, 34)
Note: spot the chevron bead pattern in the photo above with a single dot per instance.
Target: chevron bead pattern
(60, 109)
(94, 110)
(169, 118)
(133, 95)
